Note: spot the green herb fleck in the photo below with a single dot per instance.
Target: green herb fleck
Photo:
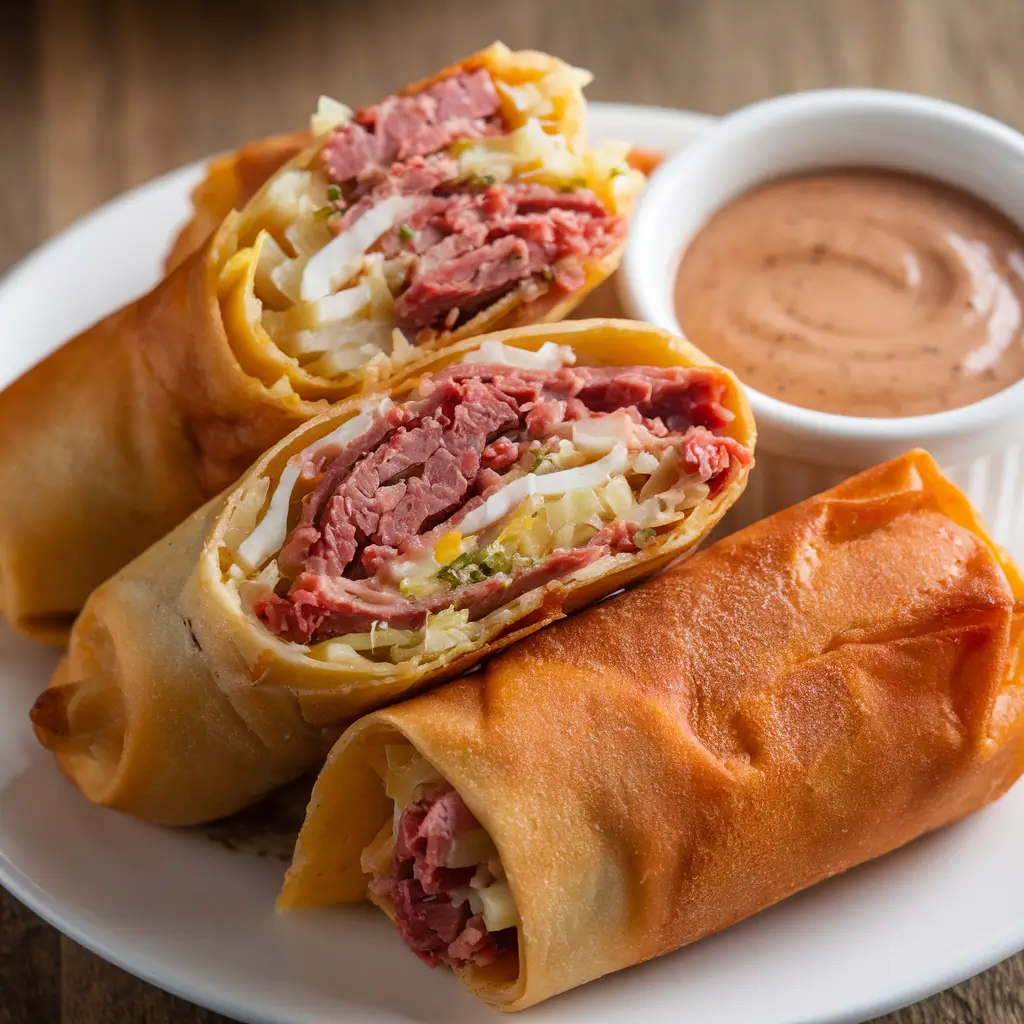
(540, 459)
(516, 257)
(406, 233)
(642, 538)
(333, 193)
(324, 212)
(616, 171)
(478, 180)
(475, 566)
(548, 273)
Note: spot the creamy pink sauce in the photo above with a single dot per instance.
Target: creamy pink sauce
(864, 292)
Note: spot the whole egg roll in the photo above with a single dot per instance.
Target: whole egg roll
(392, 543)
(467, 203)
(801, 697)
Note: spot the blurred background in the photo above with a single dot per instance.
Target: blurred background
(97, 96)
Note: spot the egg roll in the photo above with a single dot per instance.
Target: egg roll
(466, 203)
(397, 539)
(799, 698)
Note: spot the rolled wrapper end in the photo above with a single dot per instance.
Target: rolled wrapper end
(82, 723)
(177, 753)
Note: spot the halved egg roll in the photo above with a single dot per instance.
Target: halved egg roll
(803, 696)
(467, 203)
(398, 539)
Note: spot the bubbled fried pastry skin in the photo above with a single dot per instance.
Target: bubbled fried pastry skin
(801, 697)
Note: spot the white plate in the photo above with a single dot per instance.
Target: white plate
(186, 914)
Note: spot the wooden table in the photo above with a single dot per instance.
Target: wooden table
(97, 96)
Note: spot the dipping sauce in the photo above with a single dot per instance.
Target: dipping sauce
(869, 293)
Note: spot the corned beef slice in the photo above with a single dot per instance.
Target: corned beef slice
(420, 886)
(470, 245)
(478, 245)
(406, 126)
(418, 470)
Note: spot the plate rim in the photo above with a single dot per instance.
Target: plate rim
(104, 942)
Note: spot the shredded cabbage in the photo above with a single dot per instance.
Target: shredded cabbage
(617, 496)
(601, 433)
(342, 257)
(498, 907)
(329, 115)
(667, 474)
(499, 504)
(575, 508)
(376, 859)
(528, 152)
(343, 304)
(448, 629)
(406, 772)
(645, 463)
(548, 357)
(470, 848)
(272, 530)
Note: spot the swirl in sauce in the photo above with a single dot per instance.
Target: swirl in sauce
(864, 292)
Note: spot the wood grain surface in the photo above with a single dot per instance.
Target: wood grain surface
(97, 96)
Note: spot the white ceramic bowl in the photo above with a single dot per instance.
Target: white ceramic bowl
(802, 451)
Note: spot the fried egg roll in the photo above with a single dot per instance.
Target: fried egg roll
(799, 698)
(397, 539)
(466, 203)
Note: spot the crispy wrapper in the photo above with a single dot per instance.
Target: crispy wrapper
(129, 427)
(117, 437)
(801, 697)
(281, 692)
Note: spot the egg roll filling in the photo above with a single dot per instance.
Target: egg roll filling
(415, 214)
(396, 534)
(438, 872)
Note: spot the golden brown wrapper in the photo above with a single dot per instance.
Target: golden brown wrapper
(801, 697)
(117, 437)
(129, 427)
(279, 689)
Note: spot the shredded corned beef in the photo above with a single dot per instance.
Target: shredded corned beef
(469, 242)
(419, 469)
(420, 886)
